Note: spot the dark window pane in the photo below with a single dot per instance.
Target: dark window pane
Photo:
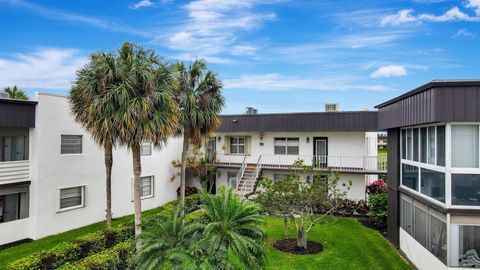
(437, 238)
(469, 244)
(465, 189)
(410, 176)
(406, 219)
(420, 225)
(431, 145)
(441, 145)
(423, 145)
(415, 144)
(433, 184)
(404, 143)
(409, 144)
(71, 144)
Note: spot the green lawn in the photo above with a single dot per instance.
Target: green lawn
(17, 252)
(382, 152)
(347, 245)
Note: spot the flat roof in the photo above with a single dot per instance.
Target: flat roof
(429, 85)
(300, 121)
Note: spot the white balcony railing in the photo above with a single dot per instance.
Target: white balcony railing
(14, 171)
(335, 163)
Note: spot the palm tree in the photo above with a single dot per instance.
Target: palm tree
(15, 93)
(92, 106)
(169, 244)
(233, 228)
(199, 97)
(145, 109)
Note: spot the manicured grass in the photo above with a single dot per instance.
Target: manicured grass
(14, 253)
(382, 152)
(347, 245)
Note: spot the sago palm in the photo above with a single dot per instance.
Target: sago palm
(145, 109)
(233, 228)
(199, 97)
(167, 244)
(92, 106)
(15, 93)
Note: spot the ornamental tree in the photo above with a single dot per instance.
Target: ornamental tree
(305, 196)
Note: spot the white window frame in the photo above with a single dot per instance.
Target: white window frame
(420, 165)
(152, 184)
(238, 144)
(71, 154)
(459, 170)
(286, 145)
(145, 144)
(82, 205)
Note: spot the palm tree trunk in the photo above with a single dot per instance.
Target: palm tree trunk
(184, 165)
(137, 201)
(108, 181)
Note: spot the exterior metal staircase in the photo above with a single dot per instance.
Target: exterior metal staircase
(247, 182)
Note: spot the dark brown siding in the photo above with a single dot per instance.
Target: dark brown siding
(439, 104)
(393, 149)
(17, 113)
(336, 121)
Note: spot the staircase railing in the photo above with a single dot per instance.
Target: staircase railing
(241, 171)
(257, 172)
(249, 184)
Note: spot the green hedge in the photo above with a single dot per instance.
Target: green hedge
(78, 249)
(94, 243)
(119, 257)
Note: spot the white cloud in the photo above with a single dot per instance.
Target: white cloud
(142, 4)
(62, 15)
(277, 82)
(389, 71)
(401, 17)
(215, 26)
(48, 68)
(463, 33)
(453, 14)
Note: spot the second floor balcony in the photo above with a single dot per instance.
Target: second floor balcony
(345, 164)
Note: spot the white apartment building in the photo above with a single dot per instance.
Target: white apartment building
(52, 174)
(253, 146)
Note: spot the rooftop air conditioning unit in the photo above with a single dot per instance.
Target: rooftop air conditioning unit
(332, 107)
(251, 110)
(4, 95)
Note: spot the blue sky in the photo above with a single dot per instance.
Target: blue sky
(275, 55)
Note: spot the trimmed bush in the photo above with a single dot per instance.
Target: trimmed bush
(118, 257)
(94, 243)
(377, 187)
(378, 209)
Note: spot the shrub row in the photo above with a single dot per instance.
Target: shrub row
(93, 243)
(348, 207)
(119, 257)
(75, 250)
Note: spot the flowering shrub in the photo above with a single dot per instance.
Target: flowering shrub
(377, 187)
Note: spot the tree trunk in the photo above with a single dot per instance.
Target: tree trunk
(302, 236)
(285, 226)
(137, 171)
(108, 181)
(184, 165)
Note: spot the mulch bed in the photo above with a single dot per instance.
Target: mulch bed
(290, 246)
(369, 223)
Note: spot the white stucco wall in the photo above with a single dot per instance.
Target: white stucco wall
(14, 230)
(418, 255)
(52, 171)
(356, 191)
(339, 143)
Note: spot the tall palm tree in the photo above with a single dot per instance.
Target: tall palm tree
(145, 109)
(92, 107)
(233, 228)
(198, 93)
(15, 93)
